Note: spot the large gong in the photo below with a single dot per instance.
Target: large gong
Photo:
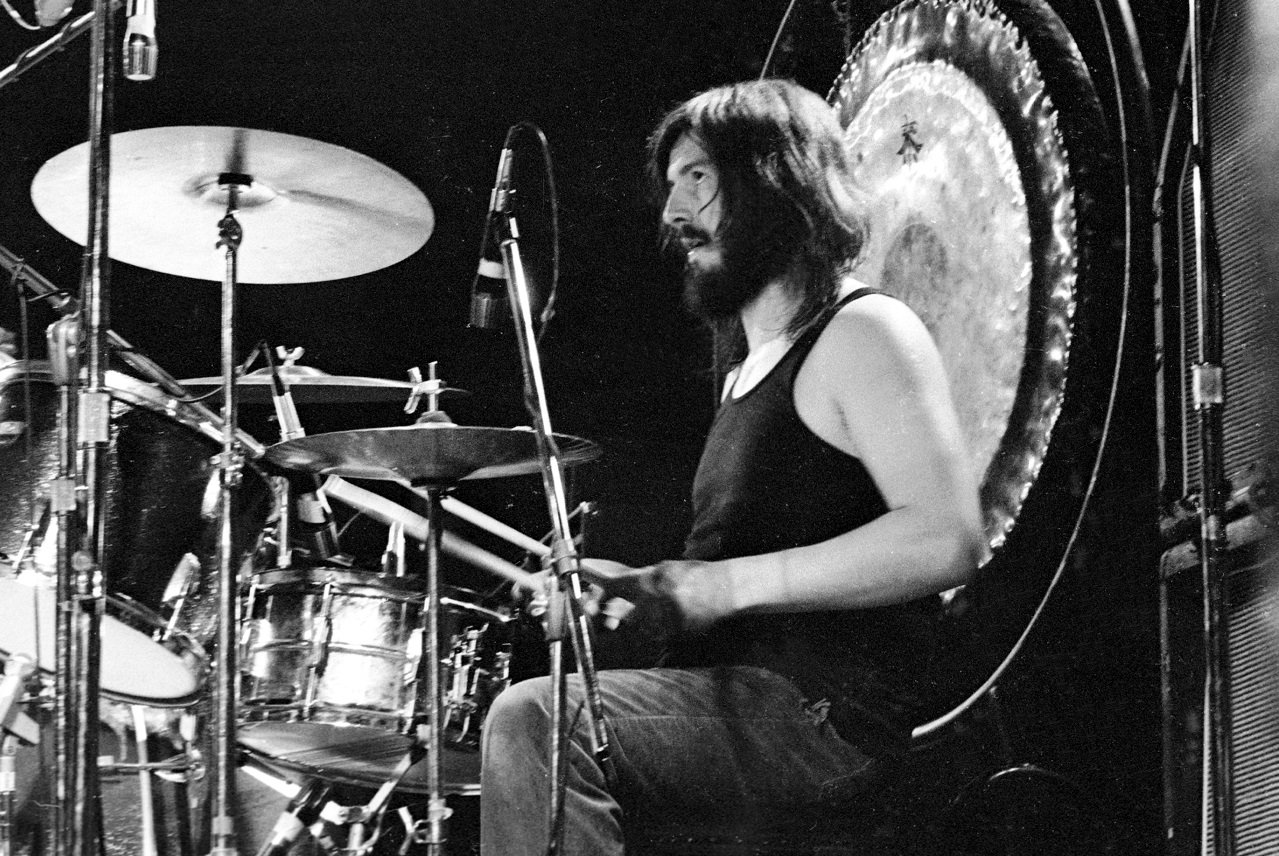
(972, 222)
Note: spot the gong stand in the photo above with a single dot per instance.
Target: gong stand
(222, 838)
(1208, 390)
(84, 433)
(567, 591)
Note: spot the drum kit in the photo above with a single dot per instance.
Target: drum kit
(344, 677)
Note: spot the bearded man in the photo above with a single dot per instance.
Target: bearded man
(832, 504)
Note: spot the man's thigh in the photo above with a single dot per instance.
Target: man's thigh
(730, 738)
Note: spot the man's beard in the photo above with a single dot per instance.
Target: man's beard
(717, 289)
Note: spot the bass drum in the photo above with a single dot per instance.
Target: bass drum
(160, 516)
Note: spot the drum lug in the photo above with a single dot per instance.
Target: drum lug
(320, 644)
(249, 636)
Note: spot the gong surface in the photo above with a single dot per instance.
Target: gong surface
(971, 222)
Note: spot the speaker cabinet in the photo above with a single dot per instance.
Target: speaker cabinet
(1252, 670)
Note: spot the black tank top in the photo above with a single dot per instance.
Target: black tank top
(766, 482)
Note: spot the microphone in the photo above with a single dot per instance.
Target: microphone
(314, 517)
(141, 51)
(489, 304)
(303, 810)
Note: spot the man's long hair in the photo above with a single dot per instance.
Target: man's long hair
(788, 192)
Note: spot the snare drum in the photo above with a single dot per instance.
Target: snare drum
(160, 505)
(330, 669)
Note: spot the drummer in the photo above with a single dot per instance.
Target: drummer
(832, 504)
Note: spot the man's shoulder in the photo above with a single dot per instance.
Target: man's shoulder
(873, 323)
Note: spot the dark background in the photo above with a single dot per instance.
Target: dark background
(429, 90)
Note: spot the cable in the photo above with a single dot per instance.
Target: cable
(17, 17)
(777, 38)
(553, 205)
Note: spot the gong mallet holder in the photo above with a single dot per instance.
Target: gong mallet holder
(564, 560)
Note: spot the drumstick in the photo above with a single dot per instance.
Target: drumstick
(460, 509)
(416, 526)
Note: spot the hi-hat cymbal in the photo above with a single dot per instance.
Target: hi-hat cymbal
(313, 212)
(430, 453)
(312, 386)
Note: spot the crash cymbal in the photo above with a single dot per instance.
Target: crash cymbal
(310, 385)
(430, 453)
(313, 212)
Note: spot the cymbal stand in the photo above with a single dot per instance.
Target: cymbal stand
(430, 735)
(563, 556)
(230, 465)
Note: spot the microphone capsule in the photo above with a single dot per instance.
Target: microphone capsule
(141, 56)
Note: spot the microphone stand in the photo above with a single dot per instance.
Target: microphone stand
(1209, 399)
(563, 556)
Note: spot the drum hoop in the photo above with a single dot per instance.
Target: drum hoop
(345, 580)
(924, 30)
(137, 393)
(118, 602)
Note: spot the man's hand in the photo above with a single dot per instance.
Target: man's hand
(677, 595)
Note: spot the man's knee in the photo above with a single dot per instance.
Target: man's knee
(520, 712)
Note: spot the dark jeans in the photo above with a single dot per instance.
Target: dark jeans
(731, 744)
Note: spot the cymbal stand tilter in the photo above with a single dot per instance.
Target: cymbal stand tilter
(566, 605)
(230, 462)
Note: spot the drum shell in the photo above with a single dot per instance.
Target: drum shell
(160, 485)
(330, 674)
(331, 645)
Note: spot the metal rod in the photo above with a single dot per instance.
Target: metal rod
(222, 834)
(81, 563)
(1209, 400)
(64, 364)
(564, 557)
(32, 56)
(431, 662)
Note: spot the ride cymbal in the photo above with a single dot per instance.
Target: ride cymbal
(312, 211)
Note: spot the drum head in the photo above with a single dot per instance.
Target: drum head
(357, 756)
(972, 222)
(134, 667)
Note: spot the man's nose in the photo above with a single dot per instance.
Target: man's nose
(676, 210)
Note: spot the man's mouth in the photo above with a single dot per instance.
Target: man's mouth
(692, 240)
